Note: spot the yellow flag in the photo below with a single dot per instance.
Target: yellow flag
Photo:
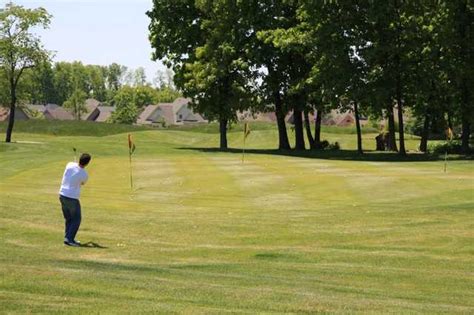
(131, 145)
(449, 134)
(246, 130)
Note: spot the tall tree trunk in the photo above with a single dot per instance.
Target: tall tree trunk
(223, 133)
(465, 119)
(450, 121)
(425, 134)
(398, 91)
(466, 133)
(400, 128)
(359, 132)
(463, 23)
(307, 125)
(283, 142)
(299, 135)
(11, 119)
(392, 145)
(317, 129)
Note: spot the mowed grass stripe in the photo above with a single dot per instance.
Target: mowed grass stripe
(199, 234)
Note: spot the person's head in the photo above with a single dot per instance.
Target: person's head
(84, 159)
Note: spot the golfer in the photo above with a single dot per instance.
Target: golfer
(74, 176)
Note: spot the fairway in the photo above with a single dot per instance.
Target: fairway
(203, 233)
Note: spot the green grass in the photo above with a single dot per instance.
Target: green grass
(257, 125)
(203, 233)
(70, 128)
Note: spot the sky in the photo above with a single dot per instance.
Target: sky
(98, 32)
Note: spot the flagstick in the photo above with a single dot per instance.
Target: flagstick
(243, 151)
(445, 159)
(131, 177)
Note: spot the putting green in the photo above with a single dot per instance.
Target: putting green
(204, 233)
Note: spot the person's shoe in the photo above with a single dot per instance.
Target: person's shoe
(77, 242)
(73, 244)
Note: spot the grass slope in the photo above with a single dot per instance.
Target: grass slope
(204, 233)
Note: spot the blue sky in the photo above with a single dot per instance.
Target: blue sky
(98, 32)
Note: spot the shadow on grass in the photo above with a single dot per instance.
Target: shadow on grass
(92, 245)
(347, 155)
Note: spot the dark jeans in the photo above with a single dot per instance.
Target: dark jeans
(72, 215)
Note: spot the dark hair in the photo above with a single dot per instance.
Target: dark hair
(84, 159)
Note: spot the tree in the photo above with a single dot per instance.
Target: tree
(262, 54)
(96, 82)
(145, 95)
(139, 77)
(76, 102)
(457, 37)
(288, 43)
(38, 84)
(126, 110)
(203, 44)
(19, 48)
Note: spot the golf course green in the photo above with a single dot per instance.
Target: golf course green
(203, 233)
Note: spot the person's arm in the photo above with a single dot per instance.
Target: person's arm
(84, 180)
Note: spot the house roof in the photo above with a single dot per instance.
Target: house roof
(53, 111)
(181, 101)
(92, 103)
(104, 113)
(38, 108)
(19, 114)
(4, 113)
(168, 113)
(345, 119)
(146, 113)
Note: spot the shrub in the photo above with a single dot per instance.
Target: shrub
(334, 146)
(452, 147)
(324, 144)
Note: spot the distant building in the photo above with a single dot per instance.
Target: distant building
(176, 113)
(346, 119)
(19, 114)
(56, 112)
(289, 118)
(105, 112)
(262, 117)
(92, 110)
(34, 111)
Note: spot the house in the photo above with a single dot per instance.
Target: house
(93, 112)
(345, 119)
(105, 112)
(19, 114)
(176, 113)
(56, 112)
(34, 111)
(290, 119)
(262, 117)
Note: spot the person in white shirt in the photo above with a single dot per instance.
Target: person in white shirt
(74, 177)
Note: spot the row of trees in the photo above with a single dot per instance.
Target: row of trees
(70, 83)
(28, 76)
(311, 56)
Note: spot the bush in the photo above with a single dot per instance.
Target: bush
(326, 145)
(452, 147)
(334, 146)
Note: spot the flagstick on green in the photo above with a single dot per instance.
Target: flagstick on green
(246, 133)
(131, 149)
(445, 159)
(243, 152)
(449, 138)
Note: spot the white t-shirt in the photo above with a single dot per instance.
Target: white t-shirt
(74, 176)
